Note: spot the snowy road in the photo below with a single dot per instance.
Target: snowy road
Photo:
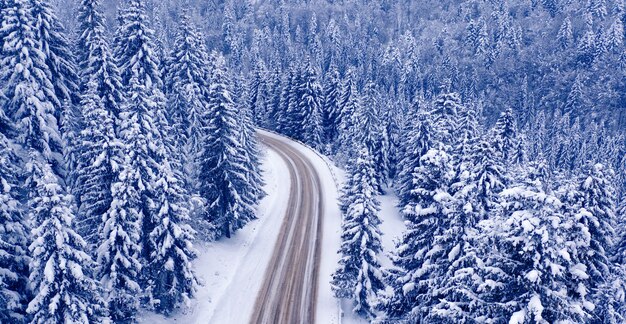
(290, 286)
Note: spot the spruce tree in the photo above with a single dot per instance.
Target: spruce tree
(187, 91)
(331, 105)
(418, 141)
(100, 162)
(95, 58)
(145, 129)
(597, 214)
(14, 238)
(359, 277)
(118, 253)
(29, 99)
(56, 49)
(505, 138)
(60, 267)
(368, 129)
(537, 238)
(417, 253)
(172, 282)
(305, 108)
(223, 177)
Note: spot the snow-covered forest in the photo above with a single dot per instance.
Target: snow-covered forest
(128, 135)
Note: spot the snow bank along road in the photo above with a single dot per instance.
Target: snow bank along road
(289, 291)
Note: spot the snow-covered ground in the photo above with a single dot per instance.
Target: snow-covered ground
(231, 270)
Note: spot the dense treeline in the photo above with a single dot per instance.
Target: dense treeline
(500, 125)
(104, 143)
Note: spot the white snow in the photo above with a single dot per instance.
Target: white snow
(231, 270)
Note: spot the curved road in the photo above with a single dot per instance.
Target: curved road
(289, 290)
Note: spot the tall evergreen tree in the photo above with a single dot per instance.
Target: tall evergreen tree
(171, 281)
(359, 277)
(223, 179)
(100, 161)
(60, 268)
(537, 238)
(14, 258)
(418, 142)
(95, 58)
(145, 129)
(418, 250)
(331, 105)
(188, 79)
(28, 95)
(304, 111)
(505, 138)
(119, 251)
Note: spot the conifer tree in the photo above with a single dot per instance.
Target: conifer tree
(14, 258)
(223, 179)
(537, 238)
(172, 282)
(145, 128)
(188, 79)
(597, 214)
(55, 47)
(350, 103)
(100, 162)
(505, 132)
(305, 111)
(416, 253)
(60, 267)
(368, 129)
(331, 105)
(418, 143)
(95, 58)
(359, 277)
(29, 99)
(118, 255)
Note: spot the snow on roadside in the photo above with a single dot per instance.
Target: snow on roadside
(231, 270)
(328, 308)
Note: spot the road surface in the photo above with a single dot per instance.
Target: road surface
(289, 290)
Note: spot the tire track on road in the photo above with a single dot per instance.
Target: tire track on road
(289, 291)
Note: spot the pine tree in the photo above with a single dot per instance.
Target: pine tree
(55, 47)
(331, 105)
(538, 241)
(350, 103)
(60, 268)
(171, 282)
(119, 249)
(505, 138)
(565, 36)
(223, 181)
(368, 129)
(187, 85)
(417, 144)
(100, 162)
(305, 111)
(597, 214)
(416, 253)
(29, 99)
(258, 96)
(359, 277)
(96, 59)
(251, 152)
(145, 129)
(14, 259)
(445, 110)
